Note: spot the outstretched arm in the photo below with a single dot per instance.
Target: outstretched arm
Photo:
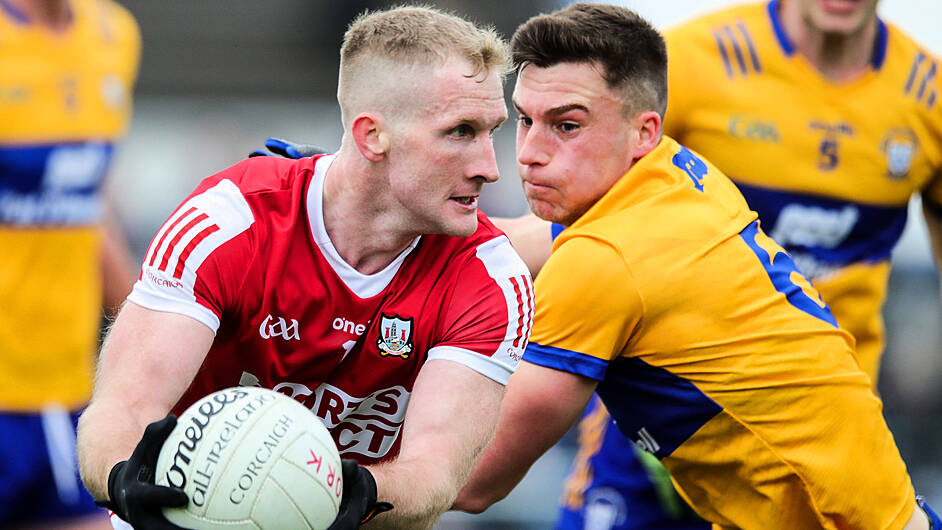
(539, 406)
(451, 417)
(148, 360)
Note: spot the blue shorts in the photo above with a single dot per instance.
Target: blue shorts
(39, 469)
(613, 485)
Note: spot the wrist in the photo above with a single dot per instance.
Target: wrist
(112, 501)
(374, 506)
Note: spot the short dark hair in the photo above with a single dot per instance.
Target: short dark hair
(630, 51)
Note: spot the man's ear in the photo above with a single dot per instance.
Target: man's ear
(649, 131)
(370, 136)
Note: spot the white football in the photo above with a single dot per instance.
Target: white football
(254, 459)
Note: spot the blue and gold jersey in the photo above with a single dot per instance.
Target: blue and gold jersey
(64, 100)
(829, 167)
(715, 354)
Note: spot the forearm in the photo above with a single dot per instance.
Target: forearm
(420, 492)
(108, 430)
(453, 414)
(539, 406)
(502, 466)
(102, 442)
(141, 374)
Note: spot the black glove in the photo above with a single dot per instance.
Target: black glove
(134, 496)
(288, 149)
(358, 504)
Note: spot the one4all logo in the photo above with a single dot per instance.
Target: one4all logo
(395, 336)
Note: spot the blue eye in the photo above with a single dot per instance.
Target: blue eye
(461, 131)
(568, 127)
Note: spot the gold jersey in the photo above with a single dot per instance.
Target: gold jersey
(714, 353)
(64, 100)
(829, 167)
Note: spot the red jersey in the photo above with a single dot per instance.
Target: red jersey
(247, 254)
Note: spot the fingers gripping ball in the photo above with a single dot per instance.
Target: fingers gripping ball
(251, 458)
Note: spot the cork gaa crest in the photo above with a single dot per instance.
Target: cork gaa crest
(395, 336)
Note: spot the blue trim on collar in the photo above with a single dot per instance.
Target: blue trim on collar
(14, 13)
(780, 35)
(879, 45)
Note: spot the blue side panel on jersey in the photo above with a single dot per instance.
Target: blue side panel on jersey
(875, 233)
(566, 360)
(655, 408)
(556, 229)
(52, 184)
(22, 167)
(620, 491)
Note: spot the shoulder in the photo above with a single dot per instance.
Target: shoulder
(487, 242)
(708, 28)
(113, 20)
(493, 249)
(717, 48)
(266, 174)
(911, 67)
(256, 189)
(588, 268)
(592, 244)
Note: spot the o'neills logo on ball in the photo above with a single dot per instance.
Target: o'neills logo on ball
(198, 422)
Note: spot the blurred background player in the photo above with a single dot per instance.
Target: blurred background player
(827, 119)
(67, 69)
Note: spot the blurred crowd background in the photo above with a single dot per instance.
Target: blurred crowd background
(218, 77)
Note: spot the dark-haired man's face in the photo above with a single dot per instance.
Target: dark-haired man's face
(573, 139)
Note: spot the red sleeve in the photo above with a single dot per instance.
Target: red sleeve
(490, 313)
(190, 266)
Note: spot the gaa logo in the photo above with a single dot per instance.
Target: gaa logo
(280, 328)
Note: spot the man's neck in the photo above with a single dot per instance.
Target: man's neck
(838, 57)
(358, 222)
(55, 15)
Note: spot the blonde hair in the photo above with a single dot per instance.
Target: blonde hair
(405, 39)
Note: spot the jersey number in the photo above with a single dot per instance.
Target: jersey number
(692, 165)
(785, 276)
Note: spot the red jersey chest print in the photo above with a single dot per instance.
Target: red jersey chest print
(248, 256)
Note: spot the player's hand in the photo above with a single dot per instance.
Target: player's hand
(134, 495)
(358, 504)
(288, 149)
